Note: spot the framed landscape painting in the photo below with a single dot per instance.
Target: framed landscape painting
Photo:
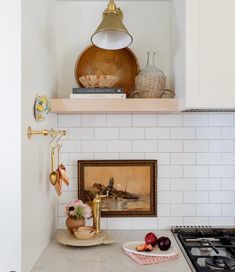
(131, 186)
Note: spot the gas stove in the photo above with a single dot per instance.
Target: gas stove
(207, 248)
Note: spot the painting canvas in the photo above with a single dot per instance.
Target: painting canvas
(130, 186)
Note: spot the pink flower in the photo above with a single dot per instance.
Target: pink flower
(88, 211)
(78, 209)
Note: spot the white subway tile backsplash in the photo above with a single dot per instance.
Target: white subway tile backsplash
(228, 209)
(94, 146)
(221, 146)
(164, 209)
(74, 157)
(221, 197)
(183, 184)
(131, 133)
(183, 158)
(221, 171)
(183, 133)
(119, 223)
(208, 158)
(157, 133)
(67, 197)
(221, 221)
(195, 146)
(163, 184)
(196, 162)
(64, 158)
(195, 171)
(170, 197)
(119, 146)
(195, 120)
(208, 210)
(71, 146)
(107, 156)
(208, 133)
(132, 156)
(167, 222)
(103, 223)
(61, 210)
(170, 120)
(183, 210)
(228, 184)
(73, 185)
(170, 171)
(196, 221)
(144, 146)
(119, 120)
(162, 158)
(61, 223)
(195, 197)
(208, 184)
(170, 146)
(71, 171)
(67, 121)
(228, 133)
(106, 133)
(144, 120)
(228, 158)
(81, 133)
(94, 120)
(140, 224)
(221, 119)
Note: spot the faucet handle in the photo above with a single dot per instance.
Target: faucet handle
(102, 196)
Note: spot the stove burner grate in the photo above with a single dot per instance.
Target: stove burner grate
(220, 263)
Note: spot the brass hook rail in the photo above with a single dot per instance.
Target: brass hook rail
(45, 132)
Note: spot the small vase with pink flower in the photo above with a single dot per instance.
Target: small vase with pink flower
(77, 212)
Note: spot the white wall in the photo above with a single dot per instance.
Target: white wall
(196, 162)
(149, 23)
(39, 77)
(10, 137)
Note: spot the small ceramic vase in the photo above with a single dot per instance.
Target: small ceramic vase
(73, 223)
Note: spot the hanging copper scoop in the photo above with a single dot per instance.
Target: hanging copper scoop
(63, 174)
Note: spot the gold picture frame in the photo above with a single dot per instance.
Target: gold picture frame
(131, 185)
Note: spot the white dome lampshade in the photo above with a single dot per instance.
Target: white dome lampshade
(111, 33)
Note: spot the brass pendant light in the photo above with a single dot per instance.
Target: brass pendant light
(111, 33)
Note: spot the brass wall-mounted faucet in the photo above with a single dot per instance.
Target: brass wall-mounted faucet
(97, 211)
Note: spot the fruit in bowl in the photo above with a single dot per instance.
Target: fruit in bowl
(164, 243)
(151, 238)
(98, 81)
(144, 247)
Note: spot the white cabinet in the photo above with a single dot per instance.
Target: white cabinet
(207, 44)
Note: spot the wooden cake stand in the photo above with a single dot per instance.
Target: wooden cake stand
(64, 237)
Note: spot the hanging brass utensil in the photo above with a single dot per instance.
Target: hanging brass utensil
(62, 169)
(54, 177)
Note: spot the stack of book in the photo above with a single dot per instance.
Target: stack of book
(98, 93)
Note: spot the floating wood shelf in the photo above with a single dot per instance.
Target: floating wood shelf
(76, 106)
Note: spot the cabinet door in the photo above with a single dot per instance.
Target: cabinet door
(210, 53)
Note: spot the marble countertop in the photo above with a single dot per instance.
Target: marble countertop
(105, 258)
